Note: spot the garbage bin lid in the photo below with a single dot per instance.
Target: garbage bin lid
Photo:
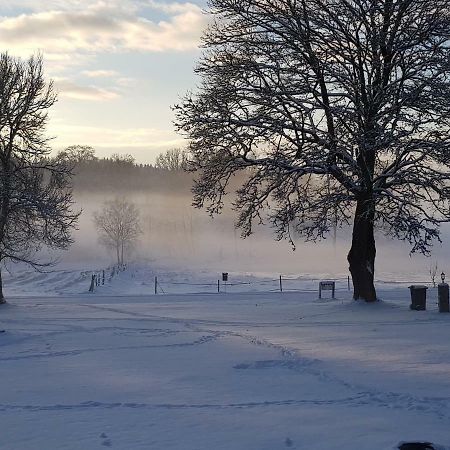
(418, 286)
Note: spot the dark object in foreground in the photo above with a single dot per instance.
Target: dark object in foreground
(418, 297)
(443, 298)
(416, 446)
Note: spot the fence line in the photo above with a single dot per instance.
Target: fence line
(270, 285)
(98, 277)
(280, 284)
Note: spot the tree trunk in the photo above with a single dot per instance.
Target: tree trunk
(362, 253)
(2, 298)
(118, 253)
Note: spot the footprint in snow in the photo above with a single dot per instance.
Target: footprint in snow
(106, 441)
(289, 442)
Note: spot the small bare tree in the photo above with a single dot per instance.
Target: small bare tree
(118, 226)
(433, 271)
(173, 159)
(35, 191)
(77, 154)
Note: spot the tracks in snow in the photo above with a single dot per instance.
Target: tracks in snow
(437, 406)
(359, 395)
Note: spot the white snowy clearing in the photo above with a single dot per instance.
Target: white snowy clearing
(234, 371)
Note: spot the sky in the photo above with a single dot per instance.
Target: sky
(118, 67)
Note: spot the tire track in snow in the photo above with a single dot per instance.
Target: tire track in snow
(76, 352)
(358, 400)
(173, 406)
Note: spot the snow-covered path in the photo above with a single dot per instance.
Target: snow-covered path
(235, 371)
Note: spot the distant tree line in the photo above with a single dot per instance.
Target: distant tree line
(122, 172)
(172, 159)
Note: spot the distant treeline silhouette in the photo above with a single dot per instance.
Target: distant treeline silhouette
(121, 172)
(107, 173)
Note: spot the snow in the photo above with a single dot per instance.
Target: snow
(139, 279)
(249, 369)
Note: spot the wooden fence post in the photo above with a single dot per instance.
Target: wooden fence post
(92, 286)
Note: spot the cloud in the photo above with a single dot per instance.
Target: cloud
(100, 73)
(65, 5)
(125, 82)
(172, 8)
(69, 89)
(147, 141)
(102, 28)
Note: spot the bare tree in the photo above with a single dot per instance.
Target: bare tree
(433, 270)
(118, 226)
(173, 159)
(35, 192)
(337, 111)
(77, 154)
(126, 160)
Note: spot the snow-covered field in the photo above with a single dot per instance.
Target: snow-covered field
(234, 371)
(139, 279)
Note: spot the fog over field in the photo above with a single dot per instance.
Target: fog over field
(177, 235)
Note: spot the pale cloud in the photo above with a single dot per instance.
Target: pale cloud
(101, 28)
(69, 5)
(140, 139)
(126, 82)
(172, 8)
(100, 73)
(68, 89)
(124, 5)
(57, 62)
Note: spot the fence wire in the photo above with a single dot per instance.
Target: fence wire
(164, 285)
(280, 284)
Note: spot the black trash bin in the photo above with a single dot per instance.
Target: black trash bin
(444, 306)
(418, 297)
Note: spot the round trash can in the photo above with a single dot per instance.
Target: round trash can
(418, 297)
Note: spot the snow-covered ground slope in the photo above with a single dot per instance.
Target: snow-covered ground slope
(139, 279)
(235, 371)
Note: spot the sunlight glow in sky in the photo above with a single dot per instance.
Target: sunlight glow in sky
(118, 66)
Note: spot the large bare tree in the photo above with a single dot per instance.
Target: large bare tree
(35, 192)
(118, 226)
(337, 111)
